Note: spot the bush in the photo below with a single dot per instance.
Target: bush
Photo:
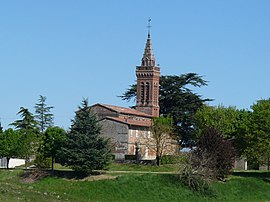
(42, 162)
(198, 178)
(169, 159)
(219, 152)
(212, 159)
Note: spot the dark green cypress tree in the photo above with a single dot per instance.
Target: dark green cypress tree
(85, 150)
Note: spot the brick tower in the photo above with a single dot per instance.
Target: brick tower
(148, 82)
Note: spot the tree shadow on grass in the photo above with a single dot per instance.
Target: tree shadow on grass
(70, 174)
(264, 175)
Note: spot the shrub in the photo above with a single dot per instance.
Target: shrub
(219, 152)
(42, 162)
(169, 159)
(212, 159)
(198, 178)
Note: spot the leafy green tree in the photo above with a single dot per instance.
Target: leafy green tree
(10, 144)
(222, 118)
(178, 101)
(161, 134)
(231, 122)
(258, 139)
(85, 150)
(28, 128)
(43, 114)
(52, 142)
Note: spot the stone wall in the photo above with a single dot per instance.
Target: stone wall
(118, 134)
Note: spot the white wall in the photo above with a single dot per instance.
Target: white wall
(12, 163)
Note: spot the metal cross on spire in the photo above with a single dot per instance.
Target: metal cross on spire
(149, 27)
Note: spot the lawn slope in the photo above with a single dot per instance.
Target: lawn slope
(132, 187)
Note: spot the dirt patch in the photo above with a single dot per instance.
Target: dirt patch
(34, 175)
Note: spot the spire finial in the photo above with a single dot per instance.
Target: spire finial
(149, 27)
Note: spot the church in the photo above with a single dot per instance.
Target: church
(130, 129)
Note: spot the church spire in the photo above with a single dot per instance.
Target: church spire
(148, 59)
(147, 99)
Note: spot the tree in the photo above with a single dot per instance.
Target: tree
(52, 142)
(85, 150)
(178, 101)
(231, 122)
(221, 118)
(219, 152)
(43, 115)
(258, 140)
(27, 126)
(161, 133)
(10, 144)
(27, 122)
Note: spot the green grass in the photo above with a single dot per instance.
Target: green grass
(242, 186)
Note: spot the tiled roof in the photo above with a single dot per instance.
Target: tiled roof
(133, 122)
(124, 110)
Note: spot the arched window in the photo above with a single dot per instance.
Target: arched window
(147, 91)
(142, 92)
(155, 94)
(146, 62)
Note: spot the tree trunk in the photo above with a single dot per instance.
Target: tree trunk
(27, 160)
(8, 158)
(268, 163)
(52, 162)
(158, 160)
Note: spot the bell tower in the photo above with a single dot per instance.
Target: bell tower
(148, 75)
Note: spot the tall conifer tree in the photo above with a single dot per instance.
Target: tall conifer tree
(85, 150)
(28, 128)
(43, 114)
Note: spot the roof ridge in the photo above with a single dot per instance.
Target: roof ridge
(124, 110)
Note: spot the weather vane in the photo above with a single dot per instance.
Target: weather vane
(149, 26)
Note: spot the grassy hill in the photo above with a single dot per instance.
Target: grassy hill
(242, 186)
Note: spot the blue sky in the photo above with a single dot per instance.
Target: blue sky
(67, 50)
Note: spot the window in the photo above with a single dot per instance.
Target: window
(147, 91)
(142, 92)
